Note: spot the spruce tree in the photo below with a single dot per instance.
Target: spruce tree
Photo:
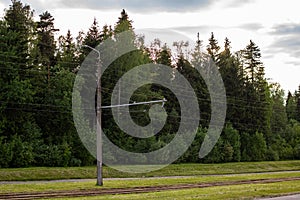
(253, 65)
(124, 23)
(93, 37)
(230, 69)
(257, 93)
(107, 32)
(46, 45)
(19, 19)
(279, 117)
(68, 53)
(297, 96)
(290, 106)
(213, 48)
(17, 125)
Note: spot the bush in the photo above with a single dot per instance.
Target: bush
(272, 155)
(254, 147)
(22, 153)
(5, 153)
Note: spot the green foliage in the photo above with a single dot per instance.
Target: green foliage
(279, 116)
(123, 24)
(227, 148)
(213, 48)
(192, 154)
(6, 154)
(254, 147)
(291, 106)
(46, 47)
(22, 152)
(233, 144)
(37, 74)
(253, 65)
(93, 36)
(67, 57)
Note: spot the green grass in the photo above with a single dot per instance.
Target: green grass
(249, 191)
(44, 173)
(43, 187)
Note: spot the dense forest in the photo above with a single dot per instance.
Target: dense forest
(37, 73)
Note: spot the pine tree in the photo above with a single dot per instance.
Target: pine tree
(257, 92)
(17, 126)
(107, 32)
(253, 67)
(46, 45)
(112, 75)
(68, 53)
(297, 95)
(93, 37)
(230, 69)
(45, 61)
(19, 19)
(188, 69)
(164, 56)
(124, 23)
(279, 116)
(213, 48)
(291, 106)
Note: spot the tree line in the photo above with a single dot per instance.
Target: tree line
(37, 74)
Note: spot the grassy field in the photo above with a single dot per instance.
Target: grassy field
(250, 191)
(195, 173)
(58, 186)
(28, 174)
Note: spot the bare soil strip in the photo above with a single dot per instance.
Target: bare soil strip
(114, 191)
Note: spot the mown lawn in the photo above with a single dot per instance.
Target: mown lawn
(58, 186)
(249, 191)
(45, 173)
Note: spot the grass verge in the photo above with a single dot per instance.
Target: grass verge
(249, 191)
(44, 173)
(59, 186)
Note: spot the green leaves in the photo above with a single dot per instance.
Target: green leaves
(37, 74)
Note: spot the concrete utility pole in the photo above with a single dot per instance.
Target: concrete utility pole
(99, 120)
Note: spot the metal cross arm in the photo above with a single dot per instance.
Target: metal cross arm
(136, 104)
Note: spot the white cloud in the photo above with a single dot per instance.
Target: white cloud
(279, 70)
(140, 6)
(273, 25)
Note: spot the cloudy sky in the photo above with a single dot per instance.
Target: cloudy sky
(273, 25)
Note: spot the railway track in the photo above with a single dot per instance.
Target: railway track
(134, 190)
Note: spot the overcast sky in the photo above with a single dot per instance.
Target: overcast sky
(273, 25)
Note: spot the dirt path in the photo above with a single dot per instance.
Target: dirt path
(90, 180)
(144, 178)
(289, 197)
(99, 192)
